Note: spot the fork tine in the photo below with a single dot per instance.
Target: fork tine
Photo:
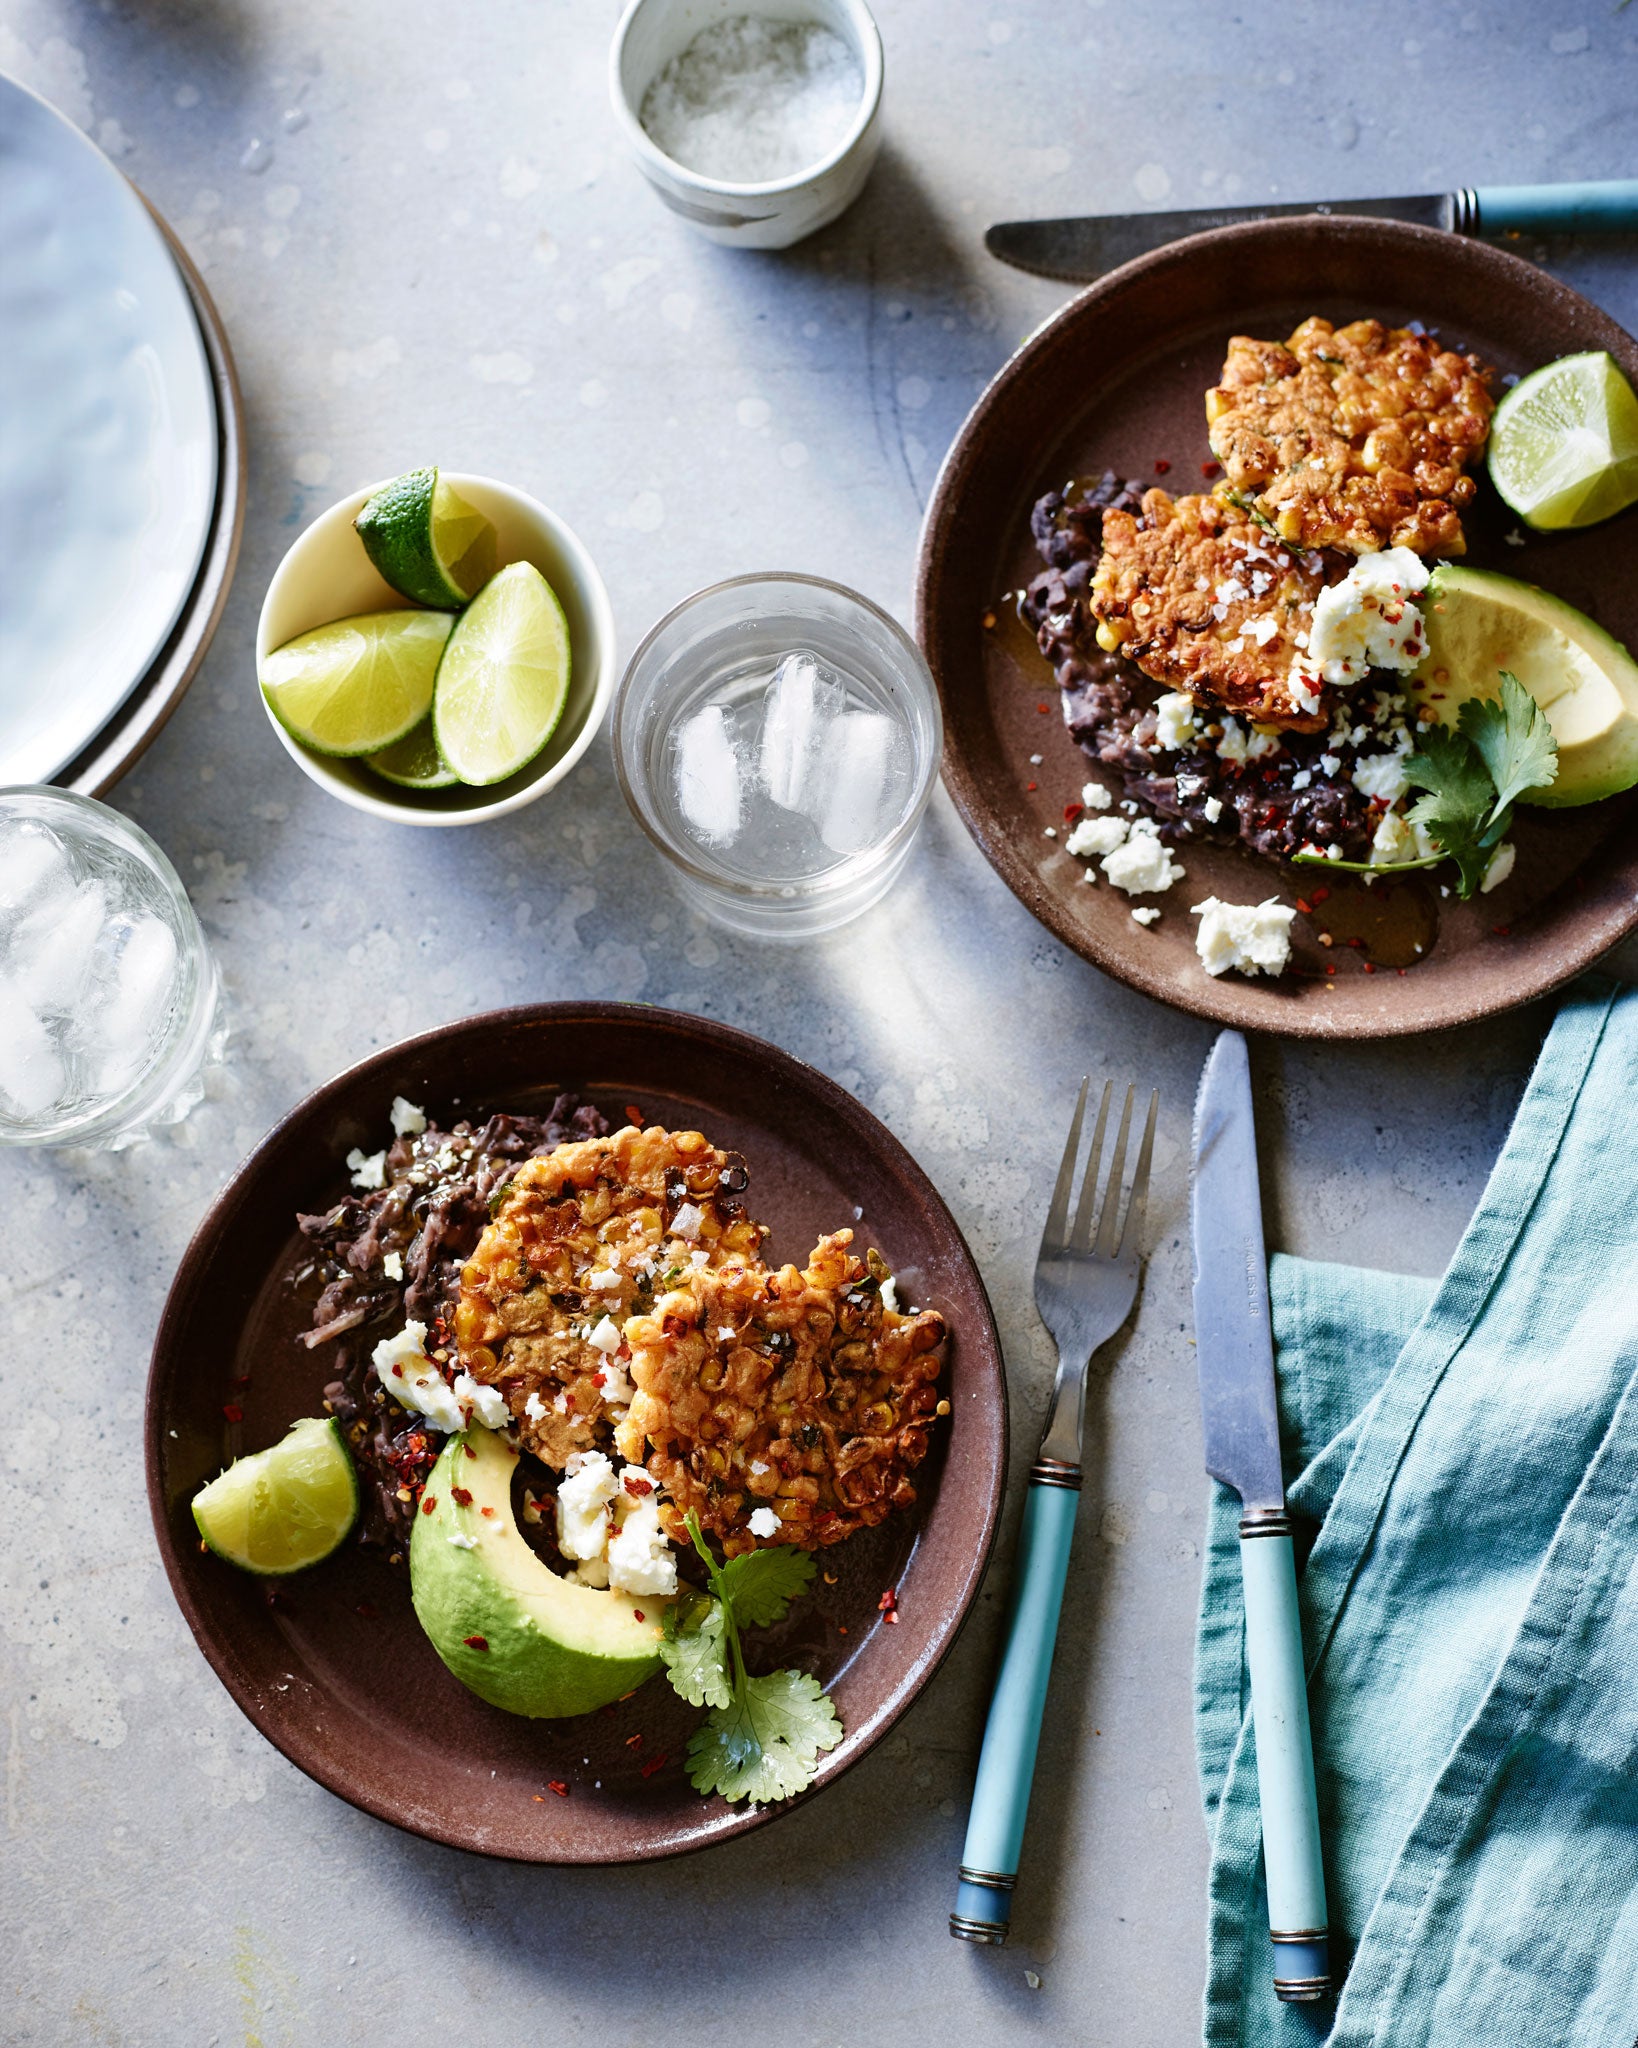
(1133, 1226)
(1105, 1247)
(1080, 1238)
(1052, 1238)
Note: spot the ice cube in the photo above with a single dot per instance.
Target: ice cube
(708, 776)
(804, 698)
(859, 760)
(31, 1068)
(34, 867)
(52, 948)
(117, 1036)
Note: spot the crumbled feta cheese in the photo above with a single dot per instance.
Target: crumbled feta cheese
(488, 1404)
(392, 1265)
(1240, 745)
(1213, 808)
(763, 1522)
(606, 1336)
(462, 1542)
(1329, 764)
(1144, 865)
(403, 1368)
(1396, 839)
(583, 1495)
(1501, 866)
(592, 1571)
(1174, 721)
(758, 1467)
(535, 1407)
(1146, 915)
(1051, 832)
(687, 1221)
(641, 1559)
(408, 1120)
(1094, 836)
(699, 1258)
(1035, 760)
(1096, 797)
(605, 1280)
(368, 1169)
(1368, 620)
(725, 1335)
(1251, 938)
(614, 1384)
(447, 1159)
(890, 1293)
(1381, 775)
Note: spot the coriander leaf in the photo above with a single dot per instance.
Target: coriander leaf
(1460, 800)
(762, 1584)
(696, 1660)
(766, 1745)
(1514, 740)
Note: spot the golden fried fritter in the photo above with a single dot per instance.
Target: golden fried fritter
(794, 1391)
(1352, 437)
(583, 1238)
(1205, 600)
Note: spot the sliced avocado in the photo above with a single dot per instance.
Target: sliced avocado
(1586, 682)
(506, 1625)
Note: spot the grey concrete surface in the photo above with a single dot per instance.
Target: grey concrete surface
(444, 256)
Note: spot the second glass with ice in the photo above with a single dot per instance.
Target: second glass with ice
(778, 738)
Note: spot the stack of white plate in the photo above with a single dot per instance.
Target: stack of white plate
(121, 473)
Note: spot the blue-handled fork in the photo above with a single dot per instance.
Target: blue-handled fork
(1084, 1290)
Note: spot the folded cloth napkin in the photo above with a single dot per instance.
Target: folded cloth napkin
(1467, 1451)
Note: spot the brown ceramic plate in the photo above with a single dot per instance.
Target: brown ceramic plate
(333, 1668)
(1117, 381)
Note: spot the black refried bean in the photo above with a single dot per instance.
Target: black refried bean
(431, 1213)
(1108, 706)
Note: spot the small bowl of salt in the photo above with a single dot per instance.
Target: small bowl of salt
(757, 126)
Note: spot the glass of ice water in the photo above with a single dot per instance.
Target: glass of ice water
(778, 738)
(108, 993)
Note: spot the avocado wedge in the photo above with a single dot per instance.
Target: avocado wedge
(508, 1627)
(1479, 623)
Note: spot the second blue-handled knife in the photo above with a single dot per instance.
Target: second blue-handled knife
(1236, 1358)
(1082, 247)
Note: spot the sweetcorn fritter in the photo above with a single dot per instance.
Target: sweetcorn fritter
(1352, 437)
(1205, 600)
(794, 1391)
(581, 1239)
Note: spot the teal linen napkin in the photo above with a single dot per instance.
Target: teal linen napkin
(1467, 1452)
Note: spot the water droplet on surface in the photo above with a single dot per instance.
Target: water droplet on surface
(1344, 130)
(258, 154)
(294, 120)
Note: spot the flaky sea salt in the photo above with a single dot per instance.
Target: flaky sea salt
(749, 100)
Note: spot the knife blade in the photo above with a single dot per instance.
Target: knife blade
(1231, 1313)
(1080, 248)
(1236, 1362)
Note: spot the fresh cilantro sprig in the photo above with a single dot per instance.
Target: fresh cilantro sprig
(1471, 777)
(1501, 747)
(763, 1736)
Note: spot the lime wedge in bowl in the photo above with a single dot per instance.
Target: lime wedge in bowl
(282, 1509)
(414, 762)
(359, 685)
(504, 677)
(426, 540)
(1564, 444)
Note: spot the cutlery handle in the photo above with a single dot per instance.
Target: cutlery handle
(1558, 209)
(1285, 1759)
(1006, 1764)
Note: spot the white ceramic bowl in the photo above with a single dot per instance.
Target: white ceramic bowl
(327, 576)
(782, 211)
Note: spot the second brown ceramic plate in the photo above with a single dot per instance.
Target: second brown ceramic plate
(332, 1666)
(1118, 381)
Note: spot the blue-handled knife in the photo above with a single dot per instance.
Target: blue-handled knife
(1242, 1431)
(1081, 248)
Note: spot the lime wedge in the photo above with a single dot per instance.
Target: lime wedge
(285, 1508)
(427, 541)
(356, 686)
(1564, 444)
(414, 762)
(504, 678)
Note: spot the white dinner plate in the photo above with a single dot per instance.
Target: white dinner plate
(107, 439)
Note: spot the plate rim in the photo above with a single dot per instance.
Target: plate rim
(226, 1207)
(124, 194)
(1212, 1000)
